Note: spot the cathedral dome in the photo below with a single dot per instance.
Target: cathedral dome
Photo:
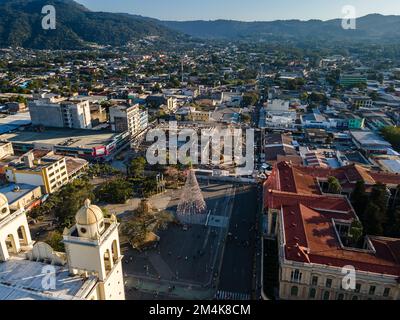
(89, 214)
(90, 221)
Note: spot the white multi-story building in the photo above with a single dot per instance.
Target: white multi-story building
(58, 113)
(128, 119)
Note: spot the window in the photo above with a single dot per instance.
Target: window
(327, 295)
(358, 288)
(313, 293)
(340, 296)
(4, 210)
(83, 230)
(355, 298)
(294, 291)
(329, 283)
(296, 276)
(314, 281)
(386, 293)
(372, 290)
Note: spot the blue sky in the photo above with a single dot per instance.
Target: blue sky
(246, 10)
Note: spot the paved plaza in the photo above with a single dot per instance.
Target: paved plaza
(186, 263)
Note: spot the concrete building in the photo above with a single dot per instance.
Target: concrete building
(22, 195)
(128, 119)
(359, 101)
(49, 172)
(90, 269)
(278, 105)
(316, 245)
(65, 114)
(86, 144)
(370, 142)
(348, 80)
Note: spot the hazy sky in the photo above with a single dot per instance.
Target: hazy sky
(243, 9)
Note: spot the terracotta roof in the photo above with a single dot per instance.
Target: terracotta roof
(311, 238)
(310, 235)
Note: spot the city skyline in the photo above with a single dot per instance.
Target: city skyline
(253, 10)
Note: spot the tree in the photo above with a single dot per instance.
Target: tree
(359, 198)
(246, 118)
(70, 199)
(304, 96)
(392, 134)
(334, 185)
(373, 220)
(250, 99)
(117, 191)
(149, 186)
(393, 227)
(55, 240)
(379, 196)
(356, 231)
(137, 167)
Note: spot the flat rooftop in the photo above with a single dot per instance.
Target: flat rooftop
(22, 280)
(13, 191)
(367, 137)
(74, 138)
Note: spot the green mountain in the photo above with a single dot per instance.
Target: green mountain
(371, 27)
(76, 26)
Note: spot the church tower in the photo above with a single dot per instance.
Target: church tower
(15, 236)
(92, 247)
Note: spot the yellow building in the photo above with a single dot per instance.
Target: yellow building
(49, 172)
(199, 116)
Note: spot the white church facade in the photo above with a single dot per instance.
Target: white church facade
(90, 268)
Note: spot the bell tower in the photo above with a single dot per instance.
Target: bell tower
(15, 236)
(92, 247)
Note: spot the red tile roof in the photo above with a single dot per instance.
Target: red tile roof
(310, 236)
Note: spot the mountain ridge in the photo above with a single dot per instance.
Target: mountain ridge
(371, 26)
(78, 27)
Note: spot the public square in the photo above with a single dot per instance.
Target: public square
(186, 263)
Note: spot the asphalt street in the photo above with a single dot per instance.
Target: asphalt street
(238, 262)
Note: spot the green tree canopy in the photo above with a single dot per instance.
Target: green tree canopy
(334, 185)
(392, 135)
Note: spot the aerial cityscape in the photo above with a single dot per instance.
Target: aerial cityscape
(191, 157)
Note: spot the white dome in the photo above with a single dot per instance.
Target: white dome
(90, 221)
(89, 214)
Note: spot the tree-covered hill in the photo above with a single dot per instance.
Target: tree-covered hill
(21, 25)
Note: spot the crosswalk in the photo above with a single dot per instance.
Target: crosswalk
(224, 295)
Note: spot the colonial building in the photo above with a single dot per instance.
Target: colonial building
(90, 268)
(317, 244)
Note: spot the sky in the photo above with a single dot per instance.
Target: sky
(245, 10)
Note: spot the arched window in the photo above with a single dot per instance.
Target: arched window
(294, 291)
(22, 236)
(114, 250)
(313, 293)
(355, 298)
(11, 245)
(340, 296)
(327, 295)
(107, 261)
